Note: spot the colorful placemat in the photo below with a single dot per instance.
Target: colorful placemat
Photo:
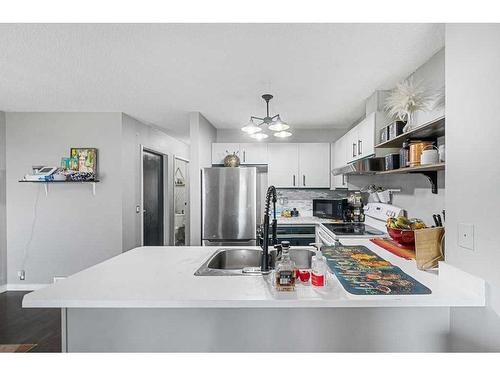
(406, 252)
(362, 272)
(16, 348)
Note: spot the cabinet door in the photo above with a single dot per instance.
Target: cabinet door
(366, 135)
(314, 165)
(351, 140)
(253, 153)
(338, 160)
(283, 164)
(220, 150)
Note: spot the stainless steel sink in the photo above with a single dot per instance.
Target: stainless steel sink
(240, 262)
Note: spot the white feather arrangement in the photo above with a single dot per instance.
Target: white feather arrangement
(407, 98)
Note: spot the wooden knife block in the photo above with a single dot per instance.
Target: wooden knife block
(428, 248)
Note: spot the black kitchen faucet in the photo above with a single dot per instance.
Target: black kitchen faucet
(270, 195)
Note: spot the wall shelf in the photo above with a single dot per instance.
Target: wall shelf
(420, 168)
(430, 130)
(46, 184)
(429, 171)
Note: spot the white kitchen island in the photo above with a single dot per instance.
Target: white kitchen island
(148, 300)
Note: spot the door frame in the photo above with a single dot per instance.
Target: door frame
(166, 202)
(188, 208)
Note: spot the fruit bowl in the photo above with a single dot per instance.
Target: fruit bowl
(402, 236)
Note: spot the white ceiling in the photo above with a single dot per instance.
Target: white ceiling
(320, 74)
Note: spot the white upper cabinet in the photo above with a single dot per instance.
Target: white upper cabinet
(249, 153)
(360, 140)
(221, 150)
(351, 143)
(253, 153)
(366, 136)
(284, 165)
(339, 159)
(314, 165)
(289, 164)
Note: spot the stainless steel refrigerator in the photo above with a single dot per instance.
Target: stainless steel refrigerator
(229, 206)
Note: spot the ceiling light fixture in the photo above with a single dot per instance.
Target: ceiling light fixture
(251, 127)
(259, 136)
(282, 134)
(274, 123)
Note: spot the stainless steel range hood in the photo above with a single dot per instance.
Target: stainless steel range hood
(360, 167)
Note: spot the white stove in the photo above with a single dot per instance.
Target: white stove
(376, 215)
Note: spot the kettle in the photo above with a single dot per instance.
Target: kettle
(430, 155)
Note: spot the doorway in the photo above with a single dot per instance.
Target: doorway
(181, 201)
(153, 193)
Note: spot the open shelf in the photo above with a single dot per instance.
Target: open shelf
(430, 130)
(53, 182)
(429, 171)
(46, 184)
(420, 168)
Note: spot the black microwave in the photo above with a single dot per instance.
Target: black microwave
(335, 209)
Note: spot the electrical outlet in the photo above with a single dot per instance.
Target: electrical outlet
(466, 236)
(21, 274)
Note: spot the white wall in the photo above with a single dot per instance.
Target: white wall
(202, 134)
(416, 196)
(72, 229)
(473, 175)
(134, 134)
(298, 135)
(3, 223)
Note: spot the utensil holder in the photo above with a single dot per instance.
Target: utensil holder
(428, 247)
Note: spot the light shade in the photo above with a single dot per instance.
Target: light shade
(278, 125)
(259, 136)
(282, 134)
(251, 128)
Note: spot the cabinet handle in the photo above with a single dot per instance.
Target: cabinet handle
(304, 179)
(343, 179)
(359, 146)
(354, 150)
(293, 180)
(244, 156)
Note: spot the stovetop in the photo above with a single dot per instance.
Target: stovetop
(353, 229)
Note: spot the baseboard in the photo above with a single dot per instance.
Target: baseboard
(25, 287)
(3, 288)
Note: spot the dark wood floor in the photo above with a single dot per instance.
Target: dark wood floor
(29, 326)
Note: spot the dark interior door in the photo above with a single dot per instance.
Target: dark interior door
(153, 198)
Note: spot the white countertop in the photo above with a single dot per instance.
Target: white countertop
(163, 277)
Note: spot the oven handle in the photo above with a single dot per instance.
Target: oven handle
(324, 240)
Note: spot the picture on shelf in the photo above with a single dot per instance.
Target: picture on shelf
(83, 159)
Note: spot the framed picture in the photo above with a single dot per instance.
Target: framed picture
(83, 159)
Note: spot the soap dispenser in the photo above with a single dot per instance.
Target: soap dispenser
(319, 269)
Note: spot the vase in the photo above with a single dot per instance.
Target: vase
(410, 117)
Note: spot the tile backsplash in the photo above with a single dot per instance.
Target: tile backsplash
(301, 199)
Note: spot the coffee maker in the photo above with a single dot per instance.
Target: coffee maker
(354, 212)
